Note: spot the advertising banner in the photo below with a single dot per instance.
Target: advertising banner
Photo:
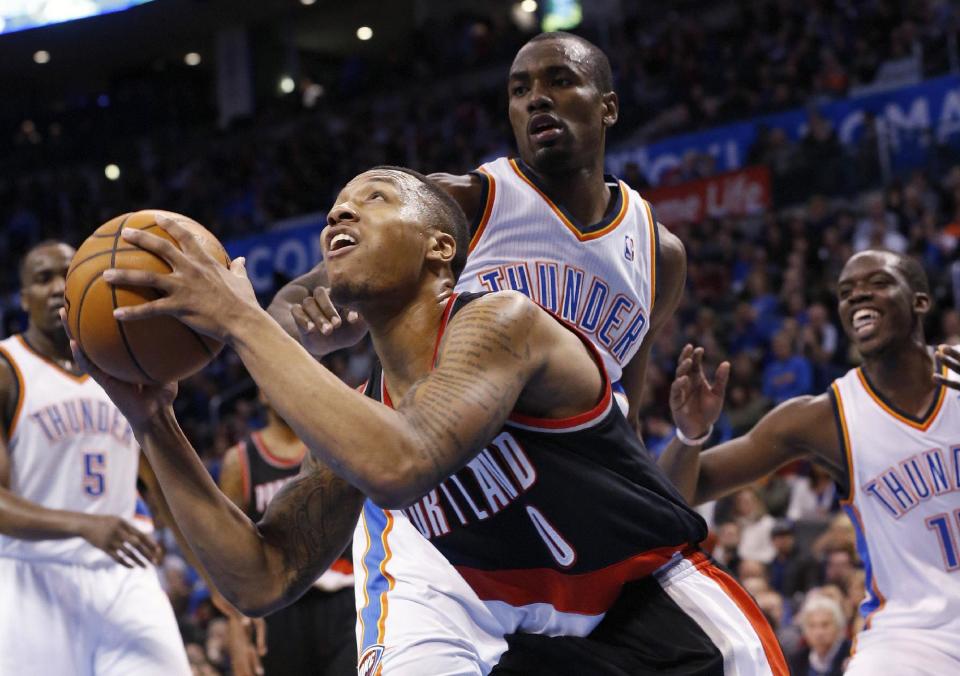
(734, 193)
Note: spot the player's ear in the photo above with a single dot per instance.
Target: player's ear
(611, 108)
(921, 303)
(442, 247)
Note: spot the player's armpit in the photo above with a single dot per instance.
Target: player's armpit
(800, 427)
(310, 521)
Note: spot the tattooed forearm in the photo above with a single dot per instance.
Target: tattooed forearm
(485, 362)
(311, 522)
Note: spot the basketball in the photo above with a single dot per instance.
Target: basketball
(147, 351)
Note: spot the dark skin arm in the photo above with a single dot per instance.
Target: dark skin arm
(671, 279)
(328, 328)
(21, 518)
(803, 427)
(231, 478)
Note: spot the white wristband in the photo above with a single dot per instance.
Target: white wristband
(687, 441)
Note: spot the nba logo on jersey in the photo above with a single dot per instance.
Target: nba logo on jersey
(370, 660)
(628, 247)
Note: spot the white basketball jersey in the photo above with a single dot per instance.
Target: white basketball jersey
(905, 506)
(601, 279)
(70, 448)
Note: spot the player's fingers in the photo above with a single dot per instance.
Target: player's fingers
(185, 238)
(116, 553)
(321, 317)
(160, 246)
(698, 360)
(238, 266)
(949, 356)
(684, 367)
(140, 558)
(949, 350)
(679, 391)
(150, 547)
(941, 380)
(300, 318)
(321, 296)
(721, 379)
(260, 635)
(353, 317)
(126, 277)
(153, 308)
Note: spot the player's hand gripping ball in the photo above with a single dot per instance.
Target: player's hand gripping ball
(147, 351)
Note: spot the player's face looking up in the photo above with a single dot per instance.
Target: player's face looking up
(557, 111)
(377, 242)
(877, 306)
(42, 277)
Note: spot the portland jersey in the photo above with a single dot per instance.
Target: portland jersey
(538, 533)
(600, 279)
(904, 502)
(70, 448)
(264, 475)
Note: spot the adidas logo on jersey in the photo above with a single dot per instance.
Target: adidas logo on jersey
(370, 660)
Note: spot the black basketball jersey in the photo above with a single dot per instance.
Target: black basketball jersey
(264, 474)
(556, 511)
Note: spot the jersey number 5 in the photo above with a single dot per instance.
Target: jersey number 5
(94, 479)
(942, 525)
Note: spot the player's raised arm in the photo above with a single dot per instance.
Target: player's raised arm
(465, 189)
(803, 426)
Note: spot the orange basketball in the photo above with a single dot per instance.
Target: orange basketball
(146, 351)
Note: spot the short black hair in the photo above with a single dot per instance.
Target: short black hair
(597, 61)
(447, 216)
(22, 268)
(913, 270)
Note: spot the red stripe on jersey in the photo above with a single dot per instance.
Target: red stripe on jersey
(584, 593)
(771, 647)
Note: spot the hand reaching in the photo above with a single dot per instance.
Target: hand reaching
(322, 330)
(949, 357)
(694, 401)
(122, 541)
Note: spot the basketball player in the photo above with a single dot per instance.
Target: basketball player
(80, 594)
(890, 435)
(315, 634)
(549, 223)
(506, 492)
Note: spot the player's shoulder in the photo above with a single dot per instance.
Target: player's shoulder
(465, 189)
(504, 308)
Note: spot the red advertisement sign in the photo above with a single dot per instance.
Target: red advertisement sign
(734, 193)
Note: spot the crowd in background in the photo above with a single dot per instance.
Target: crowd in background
(759, 290)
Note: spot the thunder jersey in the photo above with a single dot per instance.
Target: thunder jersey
(70, 448)
(904, 502)
(600, 278)
(538, 533)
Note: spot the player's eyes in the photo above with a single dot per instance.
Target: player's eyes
(376, 194)
(563, 82)
(518, 90)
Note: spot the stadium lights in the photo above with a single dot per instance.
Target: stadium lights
(307, 2)
(364, 33)
(287, 84)
(192, 59)
(41, 56)
(112, 172)
(529, 6)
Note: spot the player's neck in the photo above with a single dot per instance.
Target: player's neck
(281, 439)
(55, 347)
(404, 339)
(583, 192)
(903, 377)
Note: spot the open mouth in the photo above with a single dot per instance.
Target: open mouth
(545, 128)
(864, 322)
(340, 243)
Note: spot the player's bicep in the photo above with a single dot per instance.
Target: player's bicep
(485, 362)
(309, 524)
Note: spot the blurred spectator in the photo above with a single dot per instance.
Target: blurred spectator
(839, 567)
(792, 571)
(814, 497)
(756, 526)
(726, 551)
(789, 374)
(824, 629)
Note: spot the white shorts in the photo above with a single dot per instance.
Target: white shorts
(58, 618)
(904, 652)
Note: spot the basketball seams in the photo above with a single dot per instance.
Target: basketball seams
(113, 295)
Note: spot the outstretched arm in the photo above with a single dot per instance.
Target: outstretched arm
(800, 427)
